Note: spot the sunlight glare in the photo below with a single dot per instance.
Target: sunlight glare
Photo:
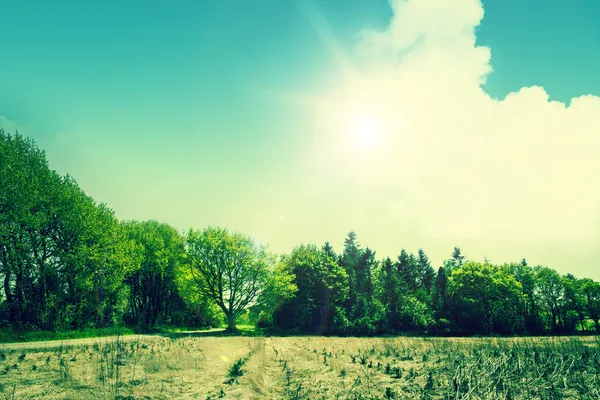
(366, 130)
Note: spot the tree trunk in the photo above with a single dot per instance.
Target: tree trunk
(231, 323)
(9, 299)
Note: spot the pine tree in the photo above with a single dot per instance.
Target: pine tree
(457, 258)
(349, 261)
(425, 270)
(364, 281)
(390, 293)
(328, 249)
(407, 270)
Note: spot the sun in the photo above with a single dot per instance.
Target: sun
(366, 131)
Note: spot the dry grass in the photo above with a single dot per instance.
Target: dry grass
(306, 368)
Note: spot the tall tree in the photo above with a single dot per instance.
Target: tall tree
(591, 292)
(525, 275)
(24, 189)
(426, 273)
(367, 313)
(551, 293)
(575, 303)
(322, 287)
(152, 285)
(228, 268)
(486, 299)
(328, 249)
(349, 260)
(408, 270)
(390, 294)
(440, 294)
(457, 258)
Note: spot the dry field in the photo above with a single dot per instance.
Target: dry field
(305, 368)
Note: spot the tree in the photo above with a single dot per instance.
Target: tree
(322, 286)
(349, 260)
(366, 313)
(457, 258)
(525, 275)
(228, 268)
(25, 187)
(591, 292)
(486, 299)
(152, 287)
(440, 293)
(551, 293)
(426, 273)
(328, 249)
(390, 293)
(407, 268)
(279, 288)
(575, 303)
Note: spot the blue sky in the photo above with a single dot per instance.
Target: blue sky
(167, 110)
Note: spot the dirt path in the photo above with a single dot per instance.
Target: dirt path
(90, 341)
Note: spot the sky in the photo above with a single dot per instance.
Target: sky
(415, 123)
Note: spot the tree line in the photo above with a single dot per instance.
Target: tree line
(67, 262)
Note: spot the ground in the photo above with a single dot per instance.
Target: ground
(211, 367)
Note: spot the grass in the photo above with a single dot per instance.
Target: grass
(8, 335)
(243, 367)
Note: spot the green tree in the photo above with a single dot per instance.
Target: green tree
(152, 285)
(457, 258)
(440, 294)
(390, 294)
(591, 292)
(228, 268)
(426, 273)
(279, 288)
(328, 249)
(575, 303)
(526, 276)
(322, 286)
(25, 186)
(367, 313)
(349, 260)
(551, 294)
(408, 272)
(486, 299)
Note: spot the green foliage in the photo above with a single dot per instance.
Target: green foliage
(322, 287)
(487, 298)
(63, 257)
(152, 284)
(229, 269)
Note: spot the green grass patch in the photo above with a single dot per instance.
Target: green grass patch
(178, 329)
(8, 335)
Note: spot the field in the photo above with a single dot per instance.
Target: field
(155, 367)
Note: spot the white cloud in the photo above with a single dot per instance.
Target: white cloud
(499, 176)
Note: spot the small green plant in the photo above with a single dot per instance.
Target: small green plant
(389, 393)
(429, 384)
(235, 371)
(65, 371)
